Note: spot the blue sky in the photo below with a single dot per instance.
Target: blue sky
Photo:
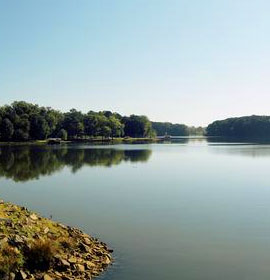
(187, 61)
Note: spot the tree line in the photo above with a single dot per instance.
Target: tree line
(249, 126)
(22, 121)
(163, 128)
(175, 129)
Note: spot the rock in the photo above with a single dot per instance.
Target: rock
(87, 241)
(16, 240)
(58, 273)
(12, 276)
(95, 272)
(3, 240)
(62, 226)
(63, 265)
(98, 253)
(47, 277)
(5, 220)
(37, 236)
(21, 275)
(79, 267)
(84, 247)
(78, 255)
(107, 260)
(90, 265)
(72, 260)
(34, 217)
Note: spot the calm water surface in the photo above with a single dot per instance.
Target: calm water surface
(191, 210)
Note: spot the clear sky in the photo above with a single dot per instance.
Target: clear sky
(187, 61)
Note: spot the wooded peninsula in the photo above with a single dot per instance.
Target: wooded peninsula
(242, 127)
(22, 121)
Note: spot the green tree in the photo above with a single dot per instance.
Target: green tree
(250, 126)
(137, 126)
(54, 119)
(73, 123)
(117, 128)
(163, 128)
(62, 134)
(104, 129)
(20, 135)
(39, 127)
(22, 128)
(91, 124)
(7, 129)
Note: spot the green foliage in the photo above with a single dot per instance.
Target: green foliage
(62, 134)
(7, 129)
(117, 128)
(22, 121)
(251, 126)
(137, 126)
(20, 135)
(163, 128)
(27, 121)
(105, 131)
(39, 127)
(103, 125)
(91, 124)
(192, 130)
(73, 123)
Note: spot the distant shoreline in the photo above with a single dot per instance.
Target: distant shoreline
(145, 140)
(94, 141)
(22, 121)
(98, 140)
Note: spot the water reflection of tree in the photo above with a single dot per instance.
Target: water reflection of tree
(30, 162)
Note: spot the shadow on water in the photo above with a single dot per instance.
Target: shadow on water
(26, 163)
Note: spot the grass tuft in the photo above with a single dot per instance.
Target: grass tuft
(40, 255)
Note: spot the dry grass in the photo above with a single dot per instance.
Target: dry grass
(67, 243)
(40, 255)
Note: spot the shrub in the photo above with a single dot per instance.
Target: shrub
(40, 255)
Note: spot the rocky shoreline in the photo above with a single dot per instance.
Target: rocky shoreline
(37, 248)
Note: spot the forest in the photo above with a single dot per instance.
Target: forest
(249, 126)
(22, 121)
(175, 129)
(162, 128)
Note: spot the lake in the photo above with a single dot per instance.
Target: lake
(191, 210)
